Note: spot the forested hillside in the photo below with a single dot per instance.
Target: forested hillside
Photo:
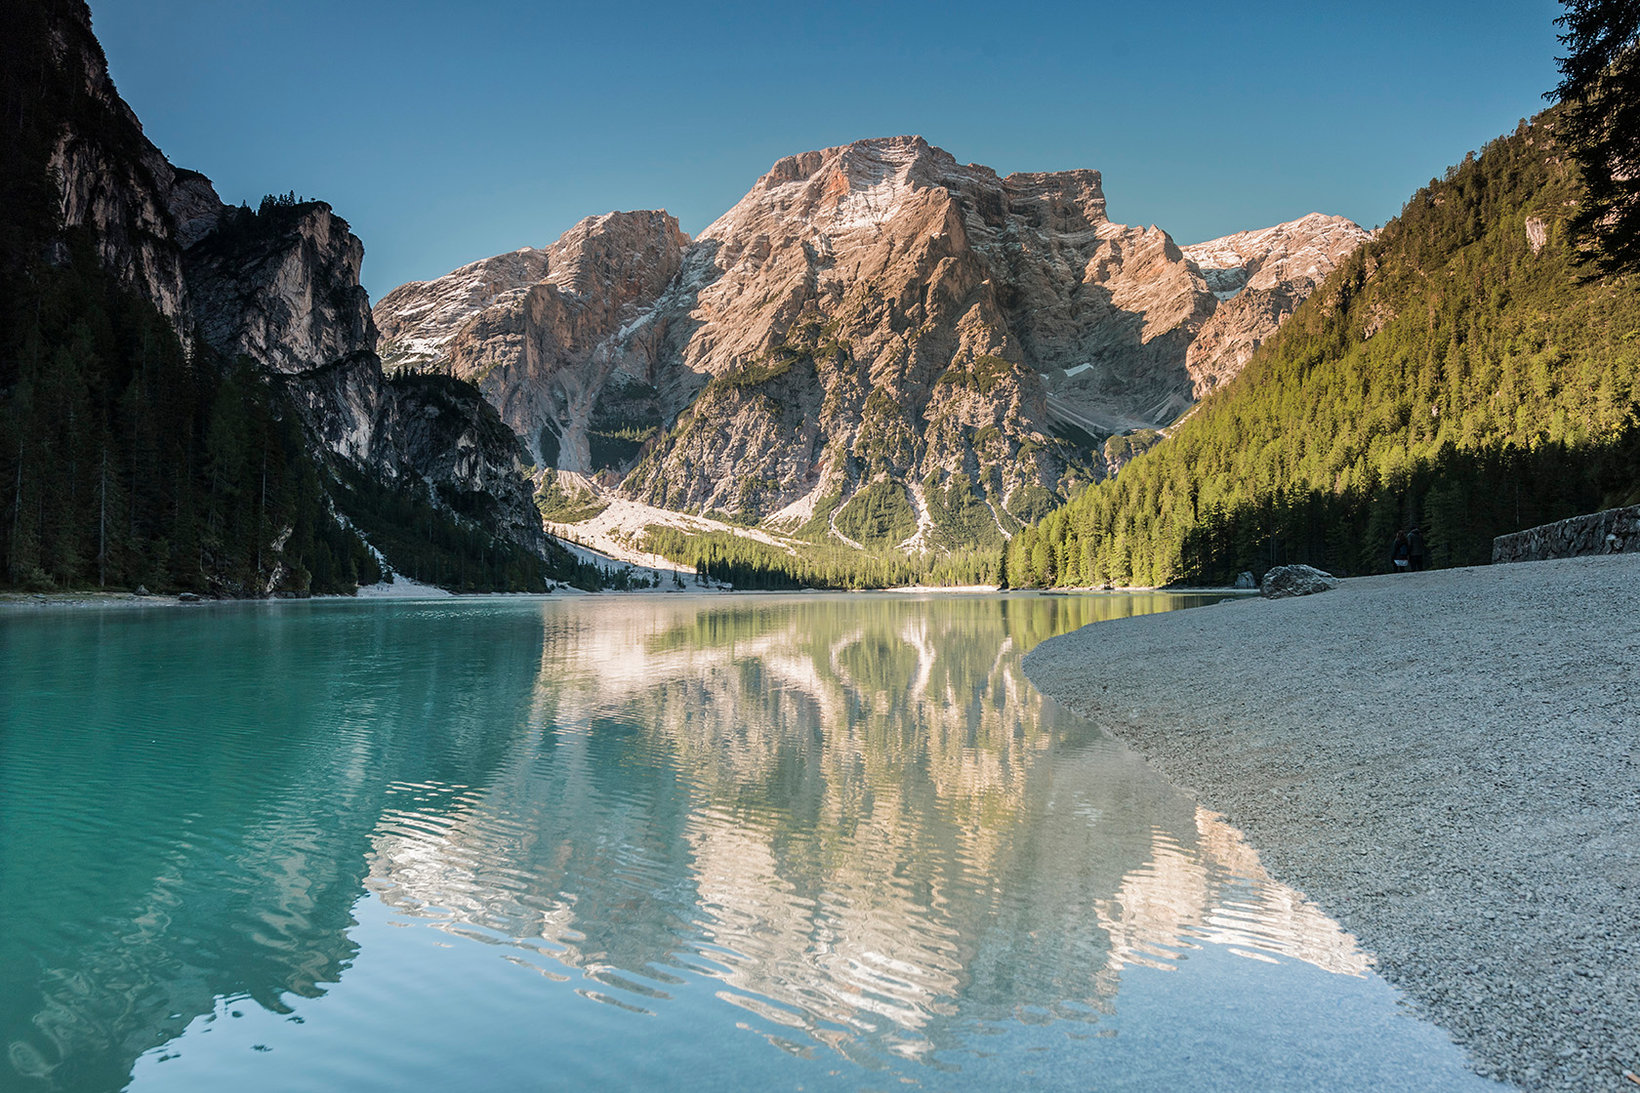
(128, 461)
(125, 456)
(1460, 373)
(170, 418)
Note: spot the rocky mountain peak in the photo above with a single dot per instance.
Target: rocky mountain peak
(874, 328)
(604, 262)
(423, 315)
(1260, 277)
(1304, 250)
(862, 162)
(636, 251)
(864, 184)
(841, 189)
(1059, 198)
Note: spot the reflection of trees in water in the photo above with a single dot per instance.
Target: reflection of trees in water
(854, 812)
(189, 800)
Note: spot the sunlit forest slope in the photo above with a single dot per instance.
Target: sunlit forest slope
(1461, 373)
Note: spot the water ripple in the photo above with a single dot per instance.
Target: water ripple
(842, 835)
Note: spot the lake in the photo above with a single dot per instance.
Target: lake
(610, 842)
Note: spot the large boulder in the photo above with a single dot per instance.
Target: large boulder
(1245, 580)
(1296, 580)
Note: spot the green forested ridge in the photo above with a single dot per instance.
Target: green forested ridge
(749, 563)
(128, 457)
(880, 515)
(962, 520)
(127, 460)
(1457, 373)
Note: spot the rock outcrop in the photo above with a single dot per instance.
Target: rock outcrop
(873, 317)
(280, 286)
(1260, 278)
(110, 178)
(553, 337)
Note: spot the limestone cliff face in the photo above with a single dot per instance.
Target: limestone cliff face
(548, 333)
(419, 319)
(872, 317)
(111, 179)
(280, 286)
(1260, 277)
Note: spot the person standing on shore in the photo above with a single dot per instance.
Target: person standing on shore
(1415, 550)
(1400, 555)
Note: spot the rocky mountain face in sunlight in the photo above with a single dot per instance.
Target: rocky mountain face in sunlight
(1260, 277)
(874, 325)
(537, 329)
(279, 285)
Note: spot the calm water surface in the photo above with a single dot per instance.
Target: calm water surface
(823, 842)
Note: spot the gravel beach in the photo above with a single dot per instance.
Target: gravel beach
(1447, 762)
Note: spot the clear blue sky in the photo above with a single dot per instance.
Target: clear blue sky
(445, 132)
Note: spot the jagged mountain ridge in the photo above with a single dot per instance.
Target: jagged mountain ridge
(1461, 374)
(871, 316)
(279, 286)
(1260, 278)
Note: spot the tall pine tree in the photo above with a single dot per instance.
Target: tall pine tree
(1600, 86)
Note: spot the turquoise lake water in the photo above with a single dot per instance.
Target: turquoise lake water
(652, 842)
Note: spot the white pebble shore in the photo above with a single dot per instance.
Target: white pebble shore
(1447, 762)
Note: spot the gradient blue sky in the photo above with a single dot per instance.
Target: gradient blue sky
(445, 132)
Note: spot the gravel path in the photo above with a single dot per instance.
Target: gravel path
(1447, 762)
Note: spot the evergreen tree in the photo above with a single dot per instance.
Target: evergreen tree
(1600, 86)
(1455, 373)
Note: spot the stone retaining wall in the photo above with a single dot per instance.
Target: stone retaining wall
(1614, 531)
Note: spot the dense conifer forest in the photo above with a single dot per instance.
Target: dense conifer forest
(1461, 373)
(131, 455)
(749, 563)
(126, 456)
(130, 459)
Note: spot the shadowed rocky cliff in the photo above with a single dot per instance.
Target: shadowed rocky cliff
(277, 286)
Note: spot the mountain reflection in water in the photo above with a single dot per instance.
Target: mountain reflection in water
(849, 818)
(861, 821)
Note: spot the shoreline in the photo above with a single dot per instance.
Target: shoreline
(1447, 762)
(13, 601)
